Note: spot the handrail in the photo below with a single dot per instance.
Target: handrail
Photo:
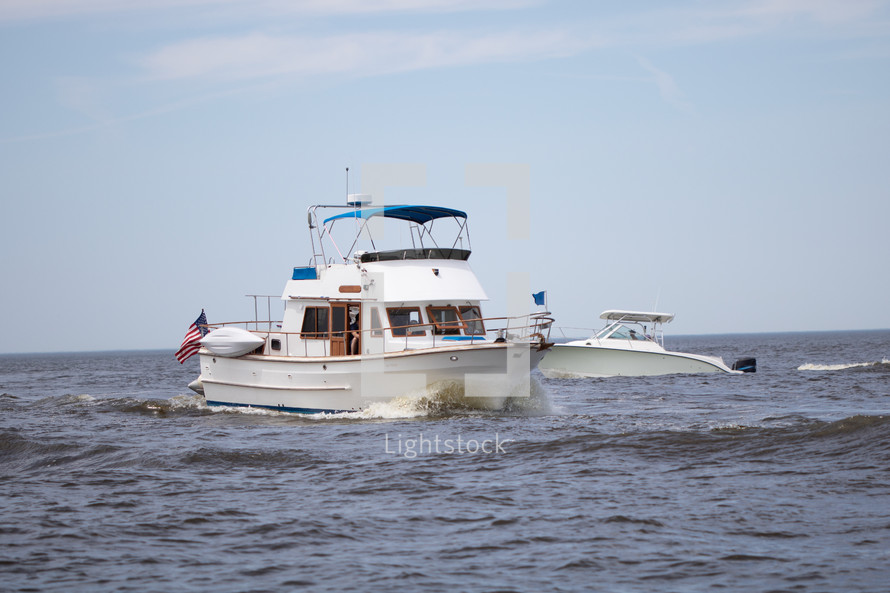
(539, 323)
(326, 335)
(423, 230)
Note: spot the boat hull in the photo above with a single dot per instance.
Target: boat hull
(479, 376)
(565, 361)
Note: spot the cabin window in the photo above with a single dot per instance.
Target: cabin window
(376, 326)
(472, 318)
(315, 323)
(447, 321)
(402, 321)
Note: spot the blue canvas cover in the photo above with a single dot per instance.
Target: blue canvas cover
(418, 214)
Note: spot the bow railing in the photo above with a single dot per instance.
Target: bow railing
(533, 328)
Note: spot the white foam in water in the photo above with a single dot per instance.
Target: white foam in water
(187, 401)
(838, 367)
(71, 399)
(412, 405)
(217, 409)
(400, 407)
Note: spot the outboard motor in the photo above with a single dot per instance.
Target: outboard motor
(746, 365)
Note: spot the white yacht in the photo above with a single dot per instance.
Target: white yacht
(631, 344)
(364, 326)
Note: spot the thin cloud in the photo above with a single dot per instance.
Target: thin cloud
(29, 10)
(667, 87)
(260, 55)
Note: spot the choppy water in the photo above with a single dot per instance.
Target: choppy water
(114, 478)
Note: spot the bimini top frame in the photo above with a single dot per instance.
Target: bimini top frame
(618, 321)
(637, 316)
(420, 219)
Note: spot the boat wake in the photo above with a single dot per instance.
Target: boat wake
(840, 367)
(448, 399)
(180, 404)
(436, 401)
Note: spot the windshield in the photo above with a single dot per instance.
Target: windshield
(620, 331)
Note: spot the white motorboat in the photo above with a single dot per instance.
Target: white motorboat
(365, 326)
(631, 344)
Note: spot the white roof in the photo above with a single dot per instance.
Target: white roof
(394, 282)
(640, 316)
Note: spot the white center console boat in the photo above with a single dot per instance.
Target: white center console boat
(631, 344)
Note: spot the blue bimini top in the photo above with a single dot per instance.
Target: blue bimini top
(418, 214)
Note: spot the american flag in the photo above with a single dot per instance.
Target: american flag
(192, 341)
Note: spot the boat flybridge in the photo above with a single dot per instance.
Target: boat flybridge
(364, 324)
(631, 344)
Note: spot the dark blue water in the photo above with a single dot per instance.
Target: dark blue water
(115, 478)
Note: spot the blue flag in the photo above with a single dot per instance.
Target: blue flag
(540, 297)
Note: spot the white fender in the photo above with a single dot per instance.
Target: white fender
(231, 341)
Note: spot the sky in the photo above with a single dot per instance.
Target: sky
(723, 161)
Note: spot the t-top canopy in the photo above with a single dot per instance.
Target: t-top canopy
(418, 214)
(637, 316)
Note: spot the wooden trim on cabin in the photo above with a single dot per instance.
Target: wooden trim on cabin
(401, 330)
(472, 320)
(444, 328)
(310, 329)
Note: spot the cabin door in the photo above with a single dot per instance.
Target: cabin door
(338, 329)
(344, 329)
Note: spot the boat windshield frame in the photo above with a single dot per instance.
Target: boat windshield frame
(643, 334)
(421, 219)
